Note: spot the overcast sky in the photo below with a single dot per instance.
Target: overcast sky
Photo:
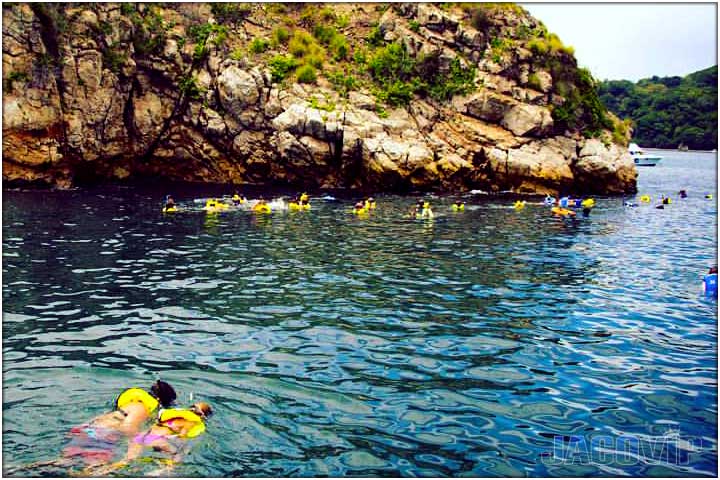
(630, 41)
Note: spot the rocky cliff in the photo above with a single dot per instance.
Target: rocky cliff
(410, 96)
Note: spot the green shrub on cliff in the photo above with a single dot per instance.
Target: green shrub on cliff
(280, 36)
(306, 74)
(281, 66)
(398, 76)
(230, 12)
(259, 45)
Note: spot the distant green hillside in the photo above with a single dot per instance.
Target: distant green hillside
(669, 111)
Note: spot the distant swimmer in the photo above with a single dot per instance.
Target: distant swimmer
(425, 209)
(666, 200)
(304, 198)
(682, 194)
(519, 205)
(238, 199)
(549, 200)
(710, 285)
(169, 205)
(359, 208)
(299, 204)
(370, 203)
(213, 205)
(645, 198)
(563, 202)
(261, 206)
(563, 212)
(458, 206)
(709, 196)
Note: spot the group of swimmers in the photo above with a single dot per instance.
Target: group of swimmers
(663, 200)
(146, 419)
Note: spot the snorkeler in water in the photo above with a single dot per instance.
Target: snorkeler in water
(94, 443)
(169, 435)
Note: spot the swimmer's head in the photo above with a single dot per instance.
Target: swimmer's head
(164, 393)
(202, 409)
(713, 269)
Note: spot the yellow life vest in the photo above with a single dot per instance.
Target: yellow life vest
(169, 209)
(520, 204)
(137, 395)
(171, 413)
(294, 206)
(458, 208)
(262, 208)
(588, 203)
(645, 199)
(304, 197)
(562, 211)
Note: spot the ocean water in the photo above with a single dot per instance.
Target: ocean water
(491, 342)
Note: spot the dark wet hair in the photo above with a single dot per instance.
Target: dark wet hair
(713, 269)
(164, 392)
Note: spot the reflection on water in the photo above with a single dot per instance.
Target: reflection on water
(491, 342)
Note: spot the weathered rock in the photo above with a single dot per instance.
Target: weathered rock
(525, 120)
(605, 170)
(123, 108)
(237, 89)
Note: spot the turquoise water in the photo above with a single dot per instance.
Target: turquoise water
(492, 342)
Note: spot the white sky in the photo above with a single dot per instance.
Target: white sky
(630, 41)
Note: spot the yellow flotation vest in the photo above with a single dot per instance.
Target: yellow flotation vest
(213, 205)
(262, 208)
(294, 206)
(238, 199)
(137, 395)
(458, 208)
(562, 211)
(359, 211)
(588, 203)
(645, 199)
(519, 205)
(709, 196)
(304, 197)
(169, 209)
(171, 413)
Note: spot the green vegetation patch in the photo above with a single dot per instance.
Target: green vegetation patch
(399, 76)
(668, 111)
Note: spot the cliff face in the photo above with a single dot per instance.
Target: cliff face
(204, 92)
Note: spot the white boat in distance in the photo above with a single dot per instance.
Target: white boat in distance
(641, 158)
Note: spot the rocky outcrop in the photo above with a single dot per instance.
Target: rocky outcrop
(98, 92)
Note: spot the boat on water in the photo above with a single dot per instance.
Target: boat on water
(641, 158)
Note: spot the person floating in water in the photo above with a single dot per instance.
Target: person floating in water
(169, 435)
(169, 204)
(262, 206)
(424, 209)
(238, 199)
(370, 204)
(710, 283)
(359, 208)
(682, 194)
(94, 443)
(458, 206)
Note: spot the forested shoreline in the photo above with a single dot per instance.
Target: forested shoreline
(668, 112)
